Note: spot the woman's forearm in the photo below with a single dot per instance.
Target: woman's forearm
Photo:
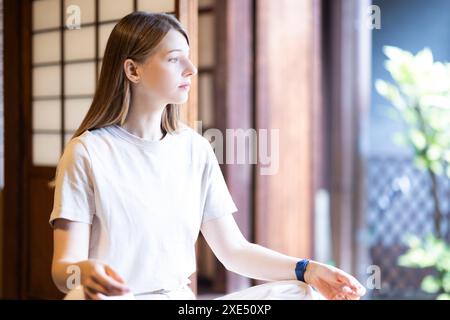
(62, 270)
(257, 262)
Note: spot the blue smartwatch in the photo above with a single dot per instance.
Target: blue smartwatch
(300, 269)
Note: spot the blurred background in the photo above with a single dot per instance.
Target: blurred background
(358, 90)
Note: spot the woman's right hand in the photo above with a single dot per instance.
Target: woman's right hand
(99, 280)
(333, 283)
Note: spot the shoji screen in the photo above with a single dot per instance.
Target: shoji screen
(66, 62)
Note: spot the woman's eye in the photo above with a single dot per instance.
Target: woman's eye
(173, 60)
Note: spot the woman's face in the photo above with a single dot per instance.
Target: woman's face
(165, 76)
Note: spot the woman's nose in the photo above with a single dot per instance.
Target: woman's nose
(191, 70)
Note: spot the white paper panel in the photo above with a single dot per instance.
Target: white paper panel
(46, 149)
(104, 32)
(47, 47)
(46, 81)
(114, 10)
(206, 100)
(79, 78)
(156, 5)
(47, 115)
(75, 110)
(87, 9)
(46, 14)
(79, 43)
(206, 40)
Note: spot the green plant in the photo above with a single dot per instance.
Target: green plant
(430, 252)
(421, 95)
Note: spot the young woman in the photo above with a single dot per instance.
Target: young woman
(134, 187)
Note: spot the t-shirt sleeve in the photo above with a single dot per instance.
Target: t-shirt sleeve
(218, 200)
(74, 195)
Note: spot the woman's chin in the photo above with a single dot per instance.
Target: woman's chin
(181, 100)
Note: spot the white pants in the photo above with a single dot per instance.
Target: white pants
(184, 293)
(278, 290)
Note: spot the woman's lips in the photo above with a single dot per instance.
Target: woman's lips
(184, 86)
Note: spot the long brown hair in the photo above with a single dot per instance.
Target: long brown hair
(134, 37)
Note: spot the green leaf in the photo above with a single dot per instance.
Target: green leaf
(391, 93)
(417, 258)
(409, 116)
(444, 261)
(420, 162)
(424, 58)
(402, 74)
(382, 87)
(396, 54)
(431, 284)
(446, 282)
(435, 101)
(436, 167)
(413, 241)
(443, 296)
(435, 120)
(434, 152)
(423, 254)
(418, 139)
(442, 140)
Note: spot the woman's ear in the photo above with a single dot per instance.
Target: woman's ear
(131, 70)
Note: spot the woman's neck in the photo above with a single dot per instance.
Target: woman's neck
(144, 121)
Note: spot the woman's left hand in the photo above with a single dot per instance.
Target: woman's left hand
(333, 283)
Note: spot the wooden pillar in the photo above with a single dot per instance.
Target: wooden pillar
(285, 100)
(348, 90)
(234, 109)
(13, 209)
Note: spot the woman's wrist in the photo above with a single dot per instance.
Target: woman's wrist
(300, 269)
(308, 271)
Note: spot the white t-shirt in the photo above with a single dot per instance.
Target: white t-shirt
(146, 201)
